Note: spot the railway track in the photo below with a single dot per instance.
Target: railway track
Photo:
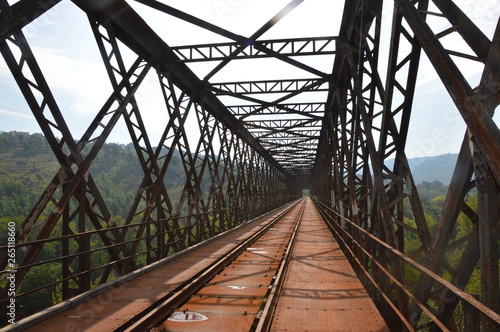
(236, 293)
(281, 272)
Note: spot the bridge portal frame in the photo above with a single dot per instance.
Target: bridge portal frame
(365, 122)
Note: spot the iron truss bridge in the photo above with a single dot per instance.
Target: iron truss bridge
(255, 121)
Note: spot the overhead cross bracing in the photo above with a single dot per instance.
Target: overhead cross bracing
(256, 112)
(268, 116)
(301, 120)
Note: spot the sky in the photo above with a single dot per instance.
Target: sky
(66, 51)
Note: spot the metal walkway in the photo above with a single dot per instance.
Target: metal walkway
(321, 291)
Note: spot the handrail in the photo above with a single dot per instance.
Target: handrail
(495, 317)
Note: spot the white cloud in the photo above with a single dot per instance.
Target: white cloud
(15, 114)
(82, 84)
(484, 14)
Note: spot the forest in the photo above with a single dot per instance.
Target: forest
(27, 165)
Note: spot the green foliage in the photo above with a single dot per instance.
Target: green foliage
(432, 196)
(432, 190)
(38, 276)
(16, 198)
(27, 165)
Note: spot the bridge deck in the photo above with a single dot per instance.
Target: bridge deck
(321, 291)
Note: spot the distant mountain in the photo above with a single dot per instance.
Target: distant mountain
(436, 168)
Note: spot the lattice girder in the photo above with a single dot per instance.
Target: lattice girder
(256, 143)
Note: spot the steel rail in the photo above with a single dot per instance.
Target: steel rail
(163, 308)
(265, 319)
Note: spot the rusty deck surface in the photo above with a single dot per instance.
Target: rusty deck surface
(321, 291)
(233, 299)
(108, 311)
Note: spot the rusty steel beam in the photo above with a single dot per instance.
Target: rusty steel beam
(471, 107)
(285, 47)
(269, 86)
(134, 32)
(461, 180)
(394, 135)
(474, 37)
(50, 130)
(20, 14)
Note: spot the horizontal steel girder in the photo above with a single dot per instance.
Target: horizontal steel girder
(270, 86)
(285, 47)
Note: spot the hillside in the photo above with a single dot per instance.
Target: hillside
(27, 165)
(429, 169)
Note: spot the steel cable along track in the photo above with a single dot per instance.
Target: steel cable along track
(232, 293)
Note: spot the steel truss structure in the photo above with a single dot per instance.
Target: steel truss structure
(258, 146)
